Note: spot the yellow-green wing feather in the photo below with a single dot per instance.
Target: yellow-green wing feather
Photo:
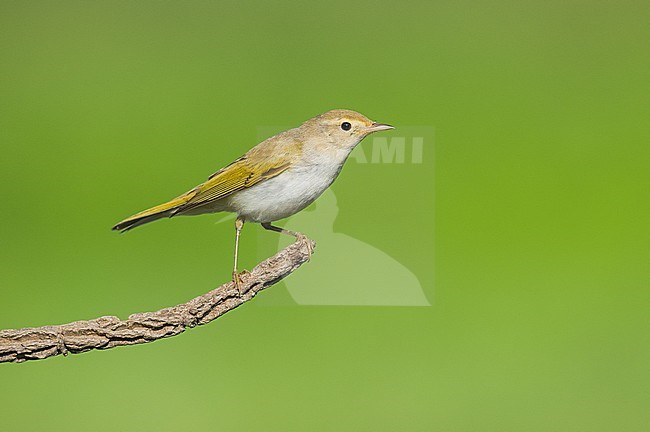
(265, 161)
(235, 177)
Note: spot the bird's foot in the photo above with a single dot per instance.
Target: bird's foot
(303, 238)
(237, 279)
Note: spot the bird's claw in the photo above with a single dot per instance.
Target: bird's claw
(303, 238)
(237, 279)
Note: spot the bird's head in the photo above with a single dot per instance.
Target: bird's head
(343, 128)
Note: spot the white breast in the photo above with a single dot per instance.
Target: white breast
(286, 194)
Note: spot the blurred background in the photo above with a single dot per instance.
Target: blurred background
(525, 223)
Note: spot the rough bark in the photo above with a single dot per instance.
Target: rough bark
(109, 331)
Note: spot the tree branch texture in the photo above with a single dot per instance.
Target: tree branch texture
(109, 331)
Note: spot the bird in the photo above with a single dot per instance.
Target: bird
(277, 178)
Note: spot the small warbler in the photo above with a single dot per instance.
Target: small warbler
(275, 179)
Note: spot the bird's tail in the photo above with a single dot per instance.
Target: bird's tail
(167, 209)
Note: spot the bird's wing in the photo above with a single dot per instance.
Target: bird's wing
(264, 161)
(239, 175)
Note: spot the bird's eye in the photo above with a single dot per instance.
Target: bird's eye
(346, 126)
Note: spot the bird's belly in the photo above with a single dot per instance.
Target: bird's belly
(281, 196)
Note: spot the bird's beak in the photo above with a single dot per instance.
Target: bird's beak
(376, 127)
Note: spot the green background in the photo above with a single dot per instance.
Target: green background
(535, 203)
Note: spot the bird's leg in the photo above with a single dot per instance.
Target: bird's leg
(297, 235)
(236, 277)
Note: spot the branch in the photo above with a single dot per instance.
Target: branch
(109, 331)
